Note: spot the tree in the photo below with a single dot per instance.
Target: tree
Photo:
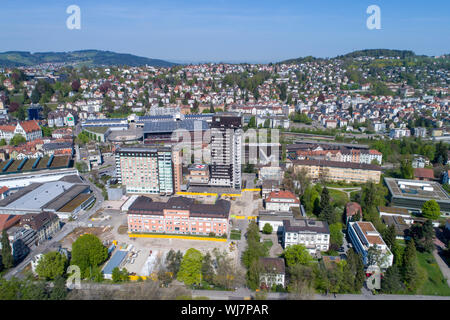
(51, 265)
(35, 96)
(336, 236)
(392, 280)
(406, 170)
(389, 236)
(173, 261)
(88, 253)
(191, 267)
(59, 291)
(354, 275)
(375, 257)
(431, 210)
(267, 229)
(297, 254)
(76, 85)
(410, 266)
(207, 268)
(226, 275)
(116, 275)
(7, 257)
(3, 142)
(17, 139)
(423, 236)
(301, 279)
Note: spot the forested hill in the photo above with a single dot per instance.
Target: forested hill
(87, 57)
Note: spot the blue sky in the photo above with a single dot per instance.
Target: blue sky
(226, 30)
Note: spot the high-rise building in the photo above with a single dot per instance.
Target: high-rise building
(145, 169)
(226, 136)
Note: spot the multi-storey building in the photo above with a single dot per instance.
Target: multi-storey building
(178, 215)
(146, 169)
(198, 174)
(282, 201)
(339, 171)
(313, 234)
(273, 272)
(226, 136)
(363, 235)
(30, 130)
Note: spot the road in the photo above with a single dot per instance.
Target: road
(242, 292)
(66, 229)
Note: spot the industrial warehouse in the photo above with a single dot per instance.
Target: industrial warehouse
(63, 198)
(412, 194)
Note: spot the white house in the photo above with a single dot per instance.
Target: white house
(282, 201)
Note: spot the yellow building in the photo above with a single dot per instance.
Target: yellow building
(339, 171)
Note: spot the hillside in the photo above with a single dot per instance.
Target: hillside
(87, 57)
(360, 53)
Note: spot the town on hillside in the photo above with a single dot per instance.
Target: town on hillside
(305, 179)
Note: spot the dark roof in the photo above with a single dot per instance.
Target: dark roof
(273, 265)
(37, 221)
(145, 205)
(170, 126)
(299, 225)
(326, 163)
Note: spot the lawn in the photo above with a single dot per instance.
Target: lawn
(235, 235)
(435, 283)
(268, 244)
(338, 196)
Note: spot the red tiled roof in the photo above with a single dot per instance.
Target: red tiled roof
(424, 173)
(282, 195)
(353, 208)
(30, 126)
(3, 190)
(8, 220)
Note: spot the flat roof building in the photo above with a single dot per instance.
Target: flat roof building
(412, 194)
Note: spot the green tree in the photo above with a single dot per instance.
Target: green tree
(51, 265)
(410, 267)
(88, 253)
(431, 210)
(423, 236)
(389, 237)
(59, 291)
(267, 229)
(353, 271)
(173, 261)
(35, 96)
(336, 235)
(406, 170)
(17, 139)
(207, 268)
(3, 142)
(7, 257)
(191, 267)
(116, 275)
(392, 281)
(297, 254)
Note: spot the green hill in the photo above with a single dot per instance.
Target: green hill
(87, 57)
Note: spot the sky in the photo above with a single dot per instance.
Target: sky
(192, 31)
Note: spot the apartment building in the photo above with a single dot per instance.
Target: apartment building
(273, 272)
(363, 235)
(147, 169)
(30, 130)
(179, 215)
(313, 234)
(226, 143)
(282, 201)
(339, 171)
(198, 175)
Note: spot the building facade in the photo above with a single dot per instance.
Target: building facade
(313, 234)
(363, 236)
(179, 215)
(226, 136)
(145, 169)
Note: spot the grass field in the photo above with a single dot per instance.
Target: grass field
(268, 244)
(435, 284)
(338, 196)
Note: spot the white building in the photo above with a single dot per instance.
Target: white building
(273, 272)
(282, 201)
(363, 236)
(313, 234)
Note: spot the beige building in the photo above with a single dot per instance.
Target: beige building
(339, 171)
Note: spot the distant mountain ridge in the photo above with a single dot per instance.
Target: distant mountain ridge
(359, 53)
(89, 57)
